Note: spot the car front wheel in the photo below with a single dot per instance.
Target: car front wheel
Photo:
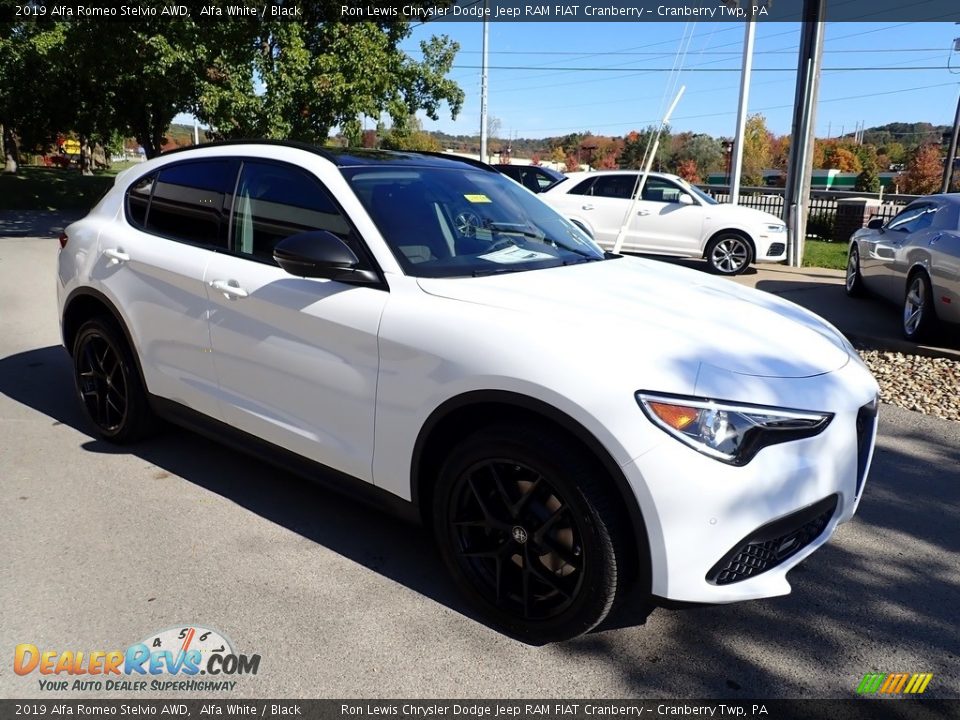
(530, 533)
(854, 280)
(918, 313)
(729, 254)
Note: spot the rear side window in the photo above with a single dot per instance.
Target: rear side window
(275, 201)
(583, 187)
(188, 201)
(138, 200)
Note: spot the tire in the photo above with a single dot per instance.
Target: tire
(854, 280)
(729, 254)
(530, 533)
(109, 384)
(919, 317)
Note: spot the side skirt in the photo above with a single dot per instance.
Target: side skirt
(328, 478)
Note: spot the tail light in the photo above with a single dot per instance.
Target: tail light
(63, 240)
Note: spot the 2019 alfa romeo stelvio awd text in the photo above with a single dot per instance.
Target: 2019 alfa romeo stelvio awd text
(426, 332)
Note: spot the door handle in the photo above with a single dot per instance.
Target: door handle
(116, 255)
(643, 212)
(230, 288)
(586, 207)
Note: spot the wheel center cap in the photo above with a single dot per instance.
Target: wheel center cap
(519, 534)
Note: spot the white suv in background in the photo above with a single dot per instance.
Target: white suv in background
(672, 217)
(424, 331)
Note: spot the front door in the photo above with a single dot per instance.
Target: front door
(296, 358)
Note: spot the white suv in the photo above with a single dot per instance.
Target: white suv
(426, 331)
(671, 217)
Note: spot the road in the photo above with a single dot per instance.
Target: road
(100, 547)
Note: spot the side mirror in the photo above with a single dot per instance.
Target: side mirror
(685, 199)
(875, 224)
(320, 254)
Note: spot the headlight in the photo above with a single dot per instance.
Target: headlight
(730, 432)
(776, 228)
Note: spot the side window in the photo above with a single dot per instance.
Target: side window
(657, 190)
(615, 186)
(138, 200)
(583, 187)
(275, 201)
(915, 217)
(188, 202)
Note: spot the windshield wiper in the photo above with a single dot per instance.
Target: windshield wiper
(496, 271)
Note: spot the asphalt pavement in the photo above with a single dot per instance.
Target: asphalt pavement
(102, 546)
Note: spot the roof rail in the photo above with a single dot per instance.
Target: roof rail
(450, 156)
(316, 149)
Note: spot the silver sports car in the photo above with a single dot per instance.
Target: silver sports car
(915, 260)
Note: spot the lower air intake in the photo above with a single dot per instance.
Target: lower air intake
(770, 545)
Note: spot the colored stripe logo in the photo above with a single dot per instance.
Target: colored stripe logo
(894, 683)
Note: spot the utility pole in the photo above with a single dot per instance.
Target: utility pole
(748, 36)
(483, 86)
(799, 170)
(952, 152)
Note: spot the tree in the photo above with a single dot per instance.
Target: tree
(687, 169)
(924, 171)
(558, 155)
(757, 154)
(703, 151)
(409, 136)
(868, 180)
(842, 159)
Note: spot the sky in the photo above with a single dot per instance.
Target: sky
(551, 79)
(535, 91)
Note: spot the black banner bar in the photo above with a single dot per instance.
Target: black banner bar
(853, 709)
(386, 11)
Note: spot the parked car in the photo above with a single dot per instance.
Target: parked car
(535, 178)
(672, 217)
(423, 331)
(914, 261)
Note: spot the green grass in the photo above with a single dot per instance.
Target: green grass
(37, 188)
(817, 253)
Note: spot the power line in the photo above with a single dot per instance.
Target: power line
(705, 69)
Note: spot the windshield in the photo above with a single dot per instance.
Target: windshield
(448, 222)
(693, 190)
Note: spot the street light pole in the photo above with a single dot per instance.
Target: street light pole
(800, 166)
(483, 86)
(952, 152)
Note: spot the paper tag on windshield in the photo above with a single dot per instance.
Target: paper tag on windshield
(514, 254)
(477, 198)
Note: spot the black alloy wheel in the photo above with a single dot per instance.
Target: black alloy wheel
(109, 384)
(530, 533)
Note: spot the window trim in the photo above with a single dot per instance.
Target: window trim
(157, 171)
(367, 260)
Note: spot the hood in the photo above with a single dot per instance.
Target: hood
(746, 215)
(662, 311)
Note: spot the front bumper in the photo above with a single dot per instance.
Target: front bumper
(720, 533)
(771, 248)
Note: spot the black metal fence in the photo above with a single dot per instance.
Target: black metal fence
(822, 213)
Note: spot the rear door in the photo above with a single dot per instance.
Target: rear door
(296, 358)
(153, 265)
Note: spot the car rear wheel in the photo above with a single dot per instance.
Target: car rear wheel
(918, 312)
(854, 281)
(109, 383)
(729, 254)
(530, 533)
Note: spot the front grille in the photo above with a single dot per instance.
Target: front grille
(866, 425)
(770, 545)
(776, 249)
